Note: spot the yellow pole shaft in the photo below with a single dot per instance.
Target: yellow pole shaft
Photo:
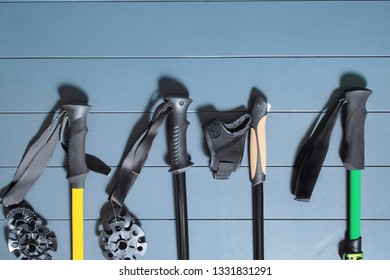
(77, 224)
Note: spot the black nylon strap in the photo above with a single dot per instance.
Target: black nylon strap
(136, 158)
(36, 159)
(312, 155)
(34, 163)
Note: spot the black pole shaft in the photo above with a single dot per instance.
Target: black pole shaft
(258, 221)
(181, 216)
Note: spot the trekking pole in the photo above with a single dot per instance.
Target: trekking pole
(179, 163)
(28, 238)
(257, 158)
(77, 172)
(354, 162)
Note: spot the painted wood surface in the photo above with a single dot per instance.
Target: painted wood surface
(125, 57)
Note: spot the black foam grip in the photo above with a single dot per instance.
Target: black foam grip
(177, 134)
(78, 169)
(354, 128)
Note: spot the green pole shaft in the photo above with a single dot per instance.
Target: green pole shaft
(354, 204)
(354, 162)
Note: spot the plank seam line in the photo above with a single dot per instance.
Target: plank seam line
(179, 1)
(374, 56)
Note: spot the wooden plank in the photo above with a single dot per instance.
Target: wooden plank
(194, 29)
(298, 53)
(308, 240)
(220, 84)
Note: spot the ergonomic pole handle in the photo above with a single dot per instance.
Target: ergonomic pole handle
(77, 170)
(178, 134)
(354, 128)
(257, 141)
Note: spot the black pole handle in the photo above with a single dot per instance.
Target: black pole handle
(77, 170)
(257, 141)
(354, 128)
(178, 130)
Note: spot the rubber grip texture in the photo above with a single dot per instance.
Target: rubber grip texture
(78, 169)
(354, 128)
(178, 134)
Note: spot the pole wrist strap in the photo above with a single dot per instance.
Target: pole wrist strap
(226, 142)
(312, 155)
(136, 158)
(37, 157)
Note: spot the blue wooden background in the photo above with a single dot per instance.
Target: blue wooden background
(121, 54)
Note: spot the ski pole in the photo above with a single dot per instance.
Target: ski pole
(179, 163)
(354, 162)
(77, 172)
(257, 158)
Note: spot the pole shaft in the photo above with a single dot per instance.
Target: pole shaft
(258, 222)
(181, 215)
(77, 224)
(354, 204)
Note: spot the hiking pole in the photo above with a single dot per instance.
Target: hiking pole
(77, 172)
(257, 158)
(179, 163)
(28, 238)
(354, 162)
